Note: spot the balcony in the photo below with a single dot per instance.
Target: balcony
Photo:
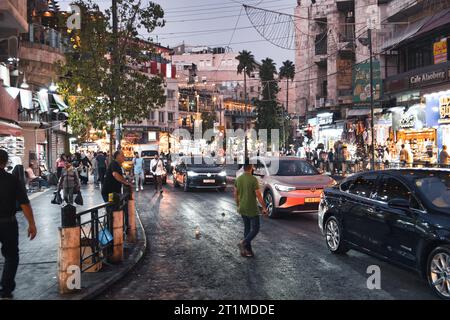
(398, 10)
(240, 114)
(34, 118)
(321, 44)
(14, 16)
(345, 5)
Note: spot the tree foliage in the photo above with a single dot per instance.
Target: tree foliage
(98, 97)
(268, 109)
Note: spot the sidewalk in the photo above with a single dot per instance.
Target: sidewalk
(37, 273)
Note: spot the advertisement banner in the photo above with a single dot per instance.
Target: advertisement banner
(440, 51)
(361, 82)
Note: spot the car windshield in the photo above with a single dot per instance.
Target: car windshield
(149, 153)
(435, 188)
(199, 161)
(288, 168)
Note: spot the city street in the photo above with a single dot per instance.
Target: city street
(291, 259)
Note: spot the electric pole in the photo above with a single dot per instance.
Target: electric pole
(245, 115)
(115, 65)
(372, 122)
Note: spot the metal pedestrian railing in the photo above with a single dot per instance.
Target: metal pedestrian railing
(93, 237)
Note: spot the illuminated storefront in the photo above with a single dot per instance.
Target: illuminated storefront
(438, 115)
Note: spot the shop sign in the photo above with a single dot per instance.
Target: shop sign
(361, 82)
(325, 119)
(440, 51)
(444, 109)
(407, 121)
(427, 77)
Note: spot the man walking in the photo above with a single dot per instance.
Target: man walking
(157, 168)
(246, 192)
(114, 178)
(101, 167)
(444, 157)
(12, 192)
(138, 164)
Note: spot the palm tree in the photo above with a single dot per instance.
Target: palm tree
(247, 66)
(287, 71)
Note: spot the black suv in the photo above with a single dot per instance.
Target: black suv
(402, 216)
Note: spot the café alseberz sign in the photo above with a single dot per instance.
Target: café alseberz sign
(427, 77)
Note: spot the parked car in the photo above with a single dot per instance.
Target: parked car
(402, 216)
(199, 172)
(289, 184)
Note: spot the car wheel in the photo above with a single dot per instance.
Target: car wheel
(333, 236)
(186, 182)
(438, 271)
(270, 204)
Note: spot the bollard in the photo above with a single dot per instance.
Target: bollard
(131, 231)
(69, 249)
(117, 255)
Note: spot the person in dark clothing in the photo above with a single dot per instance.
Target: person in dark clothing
(12, 193)
(114, 178)
(101, 167)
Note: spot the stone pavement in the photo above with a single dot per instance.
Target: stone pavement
(37, 273)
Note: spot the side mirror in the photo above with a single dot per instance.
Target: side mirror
(399, 203)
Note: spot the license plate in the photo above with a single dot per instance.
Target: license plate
(312, 200)
(209, 181)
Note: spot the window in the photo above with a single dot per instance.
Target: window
(435, 190)
(391, 188)
(345, 186)
(364, 186)
(152, 115)
(170, 94)
(161, 117)
(170, 116)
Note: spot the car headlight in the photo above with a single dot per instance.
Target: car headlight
(223, 174)
(283, 188)
(332, 183)
(192, 174)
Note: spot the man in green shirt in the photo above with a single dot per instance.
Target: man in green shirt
(246, 192)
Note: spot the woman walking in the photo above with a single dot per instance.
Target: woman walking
(60, 165)
(69, 182)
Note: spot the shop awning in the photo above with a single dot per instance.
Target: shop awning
(419, 27)
(60, 102)
(10, 129)
(42, 97)
(438, 20)
(407, 33)
(26, 99)
(358, 112)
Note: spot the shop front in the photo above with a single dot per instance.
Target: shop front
(411, 129)
(438, 115)
(329, 130)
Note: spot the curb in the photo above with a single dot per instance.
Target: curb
(134, 259)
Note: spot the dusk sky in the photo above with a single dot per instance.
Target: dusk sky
(189, 21)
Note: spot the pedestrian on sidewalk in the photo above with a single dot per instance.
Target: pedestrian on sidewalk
(95, 169)
(60, 165)
(138, 165)
(69, 183)
(157, 168)
(114, 178)
(102, 164)
(12, 193)
(246, 194)
(444, 157)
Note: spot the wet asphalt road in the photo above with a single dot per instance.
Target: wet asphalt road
(291, 259)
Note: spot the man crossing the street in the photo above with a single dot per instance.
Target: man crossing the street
(246, 194)
(12, 193)
(157, 168)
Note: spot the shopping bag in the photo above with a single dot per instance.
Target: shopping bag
(105, 237)
(79, 199)
(57, 198)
